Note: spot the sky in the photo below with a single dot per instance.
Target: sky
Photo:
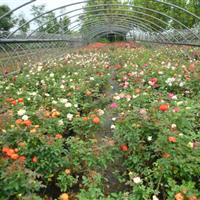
(50, 4)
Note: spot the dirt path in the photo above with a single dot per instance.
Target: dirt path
(105, 138)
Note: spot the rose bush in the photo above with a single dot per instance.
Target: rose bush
(67, 126)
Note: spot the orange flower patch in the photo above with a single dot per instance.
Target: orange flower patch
(179, 196)
(58, 136)
(96, 120)
(172, 139)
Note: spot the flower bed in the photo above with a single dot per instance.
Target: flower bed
(53, 118)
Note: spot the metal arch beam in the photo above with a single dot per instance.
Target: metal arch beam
(138, 25)
(144, 23)
(106, 29)
(154, 11)
(77, 15)
(12, 11)
(129, 18)
(142, 27)
(178, 7)
(133, 11)
(184, 39)
(122, 15)
(135, 22)
(131, 28)
(139, 22)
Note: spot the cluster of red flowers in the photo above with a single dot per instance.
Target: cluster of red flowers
(180, 196)
(95, 119)
(13, 154)
(14, 102)
(23, 122)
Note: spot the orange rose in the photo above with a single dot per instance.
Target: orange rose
(14, 156)
(27, 122)
(58, 136)
(19, 121)
(96, 120)
(172, 139)
(85, 119)
(179, 196)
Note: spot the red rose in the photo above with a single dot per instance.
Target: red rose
(123, 147)
(193, 198)
(34, 159)
(164, 107)
(20, 100)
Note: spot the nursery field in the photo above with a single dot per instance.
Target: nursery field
(108, 123)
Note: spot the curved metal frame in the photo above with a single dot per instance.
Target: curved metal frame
(123, 5)
(120, 15)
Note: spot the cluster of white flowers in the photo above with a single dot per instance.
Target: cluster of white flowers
(68, 105)
(63, 100)
(170, 81)
(70, 116)
(21, 112)
(61, 123)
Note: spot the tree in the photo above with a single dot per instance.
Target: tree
(21, 20)
(6, 23)
(52, 24)
(49, 23)
(64, 24)
(178, 14)
(36, 11)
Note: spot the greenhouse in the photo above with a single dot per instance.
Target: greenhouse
(99, 100)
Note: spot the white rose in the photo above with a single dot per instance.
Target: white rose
(60, 122)
(64, 100)
(137, 180)
(155, 197)
(62, 87)
(68, 105)
(100, 112)
(112, 126)
(47, 95)
(173, 126)
(51, 75)
(21, 112)
(54, 102)
(149, 138)
(69, 116)
(25, 117)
